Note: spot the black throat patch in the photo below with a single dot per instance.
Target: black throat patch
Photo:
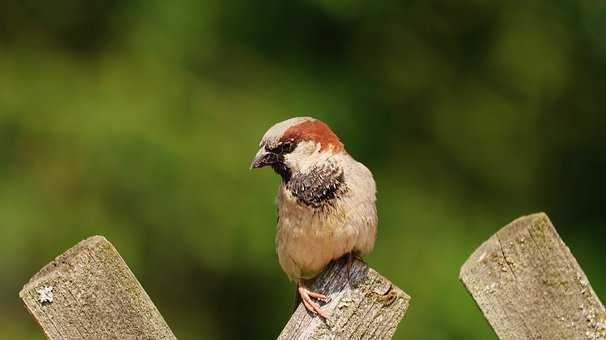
(319, 187)
(281, 169)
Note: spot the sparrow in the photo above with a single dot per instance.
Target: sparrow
(326, 201)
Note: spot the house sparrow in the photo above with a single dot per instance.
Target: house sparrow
(326, 201)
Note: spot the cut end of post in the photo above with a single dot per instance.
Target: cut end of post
(88, 292)
(63, 260)
(516, 226)
(362, 303)
(528, 284)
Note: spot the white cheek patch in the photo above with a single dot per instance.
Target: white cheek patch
(305, 156)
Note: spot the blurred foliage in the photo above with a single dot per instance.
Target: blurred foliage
(137, 120)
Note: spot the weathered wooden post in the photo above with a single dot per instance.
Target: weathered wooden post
(529, 286)
(363, 305)
(89, 292)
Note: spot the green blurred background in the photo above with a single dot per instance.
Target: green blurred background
(137, 120)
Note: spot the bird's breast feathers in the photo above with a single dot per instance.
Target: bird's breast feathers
(323, 214)
(318, 188)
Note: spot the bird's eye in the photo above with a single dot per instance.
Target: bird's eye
(288, 147)
(282, 148)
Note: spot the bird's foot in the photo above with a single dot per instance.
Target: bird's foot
(306, 297)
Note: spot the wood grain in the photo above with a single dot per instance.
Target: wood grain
(363, 305)
(528, 285)
(89, 292)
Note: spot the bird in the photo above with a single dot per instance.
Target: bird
(326, 202)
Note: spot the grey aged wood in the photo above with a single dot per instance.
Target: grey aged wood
(529, 286)
(364, 305)
(89, 292)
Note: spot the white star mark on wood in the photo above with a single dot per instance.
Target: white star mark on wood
(45, 294)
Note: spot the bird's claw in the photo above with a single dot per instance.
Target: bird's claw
(310, 305)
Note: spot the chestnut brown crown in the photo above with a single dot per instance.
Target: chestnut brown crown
(284, 137)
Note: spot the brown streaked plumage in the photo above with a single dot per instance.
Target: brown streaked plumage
(326, 201)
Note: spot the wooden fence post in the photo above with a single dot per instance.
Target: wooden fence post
(529, 286)
(363, 305)
(89, 292)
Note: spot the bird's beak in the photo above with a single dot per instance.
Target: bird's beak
(263, 158)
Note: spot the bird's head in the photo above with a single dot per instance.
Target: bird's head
(295, 145)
